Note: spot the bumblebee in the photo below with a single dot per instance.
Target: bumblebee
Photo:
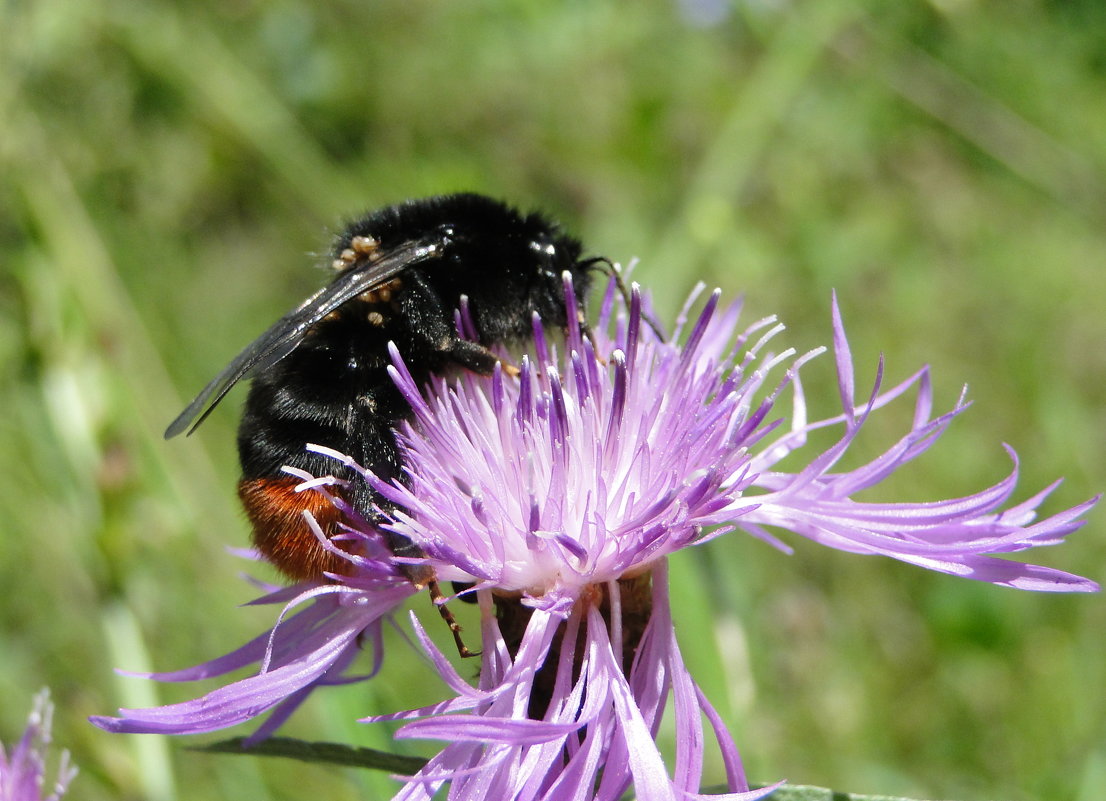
(319, 374)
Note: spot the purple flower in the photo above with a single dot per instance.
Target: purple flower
(23, 771)
(556, 495)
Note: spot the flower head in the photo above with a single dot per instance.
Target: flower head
(23, 770)
(556, 495)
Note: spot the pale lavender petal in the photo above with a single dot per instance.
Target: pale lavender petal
(325, 648)
(237, 702)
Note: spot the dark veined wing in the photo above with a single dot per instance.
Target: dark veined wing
(287, 332)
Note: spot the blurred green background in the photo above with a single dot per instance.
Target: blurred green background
(168, 170)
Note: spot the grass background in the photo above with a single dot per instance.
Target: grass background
(167, 170)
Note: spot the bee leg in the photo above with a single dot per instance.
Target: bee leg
(475, 357)
(585, 331)
(422, 575)
(421, 306)
(439, 601)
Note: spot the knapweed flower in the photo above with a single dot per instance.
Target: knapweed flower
(23, 770)
(556, 495)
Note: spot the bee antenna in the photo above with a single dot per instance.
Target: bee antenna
(605, 265)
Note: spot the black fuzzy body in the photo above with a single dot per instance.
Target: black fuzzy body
(332, 387)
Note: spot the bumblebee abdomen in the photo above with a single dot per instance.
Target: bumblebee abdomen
(281, 533)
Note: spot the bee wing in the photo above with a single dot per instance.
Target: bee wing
(287, 332)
